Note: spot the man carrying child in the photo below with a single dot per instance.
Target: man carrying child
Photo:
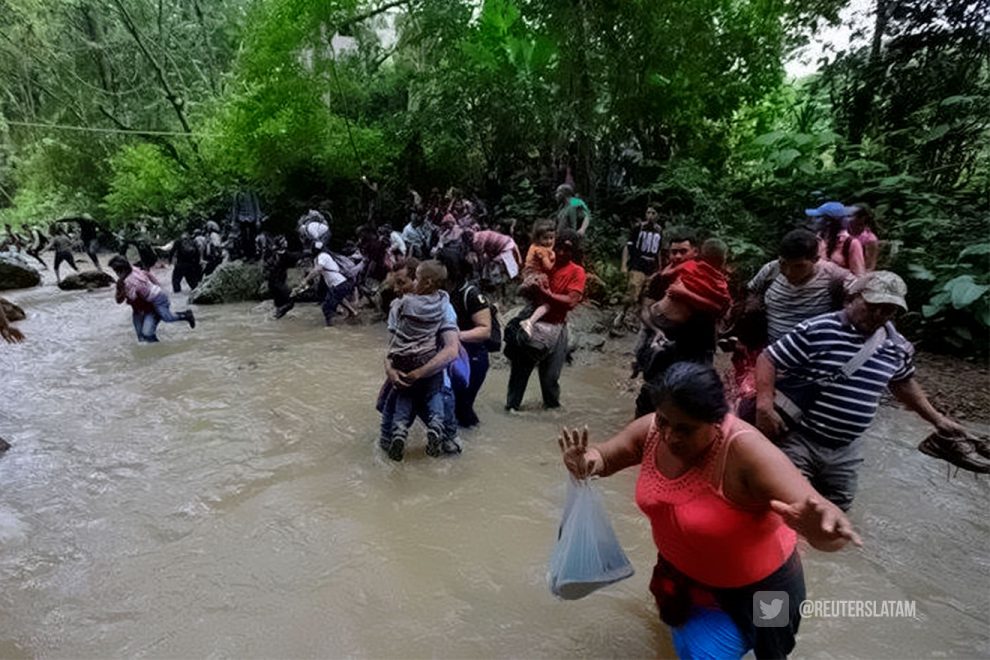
(414, 321)
(681, 325)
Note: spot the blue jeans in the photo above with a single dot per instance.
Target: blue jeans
(465, 395)
(145, 326)
(426, 392)
(146, 323)
(333, 299)
(164, 310)
(387, 408)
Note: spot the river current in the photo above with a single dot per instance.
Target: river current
(220, 495)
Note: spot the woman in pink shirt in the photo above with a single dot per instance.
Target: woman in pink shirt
(842, 249)
(494, 247)
(861, 226)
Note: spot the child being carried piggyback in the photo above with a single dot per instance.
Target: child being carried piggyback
(536, 271)
(414, 321)
(696, 288)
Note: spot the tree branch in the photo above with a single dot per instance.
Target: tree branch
(357, 18)
(169, 148)
(178, 105)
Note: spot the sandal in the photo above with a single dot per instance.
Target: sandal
(963, 451)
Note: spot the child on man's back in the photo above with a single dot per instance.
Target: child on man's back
(697, 286)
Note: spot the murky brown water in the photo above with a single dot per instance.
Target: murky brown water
(219, 495)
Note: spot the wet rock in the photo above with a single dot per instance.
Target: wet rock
(4, 445)
(87, 279)
(232, 281)
(16, 272)
(12, 311)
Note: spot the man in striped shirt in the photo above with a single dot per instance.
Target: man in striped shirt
(798, 285)
(826, 443)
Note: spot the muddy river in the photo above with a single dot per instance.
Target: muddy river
(220, 495)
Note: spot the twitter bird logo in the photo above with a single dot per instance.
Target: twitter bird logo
(770, 610)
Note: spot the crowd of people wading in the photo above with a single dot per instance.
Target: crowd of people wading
(727, 485)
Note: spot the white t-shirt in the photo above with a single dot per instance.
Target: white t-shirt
(331, 271)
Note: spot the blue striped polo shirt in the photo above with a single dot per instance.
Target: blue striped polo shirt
(818, 348)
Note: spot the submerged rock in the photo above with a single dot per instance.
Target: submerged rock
(87, 279)
(16, 272)
(4, 445)
(232, 281)
(12, 311)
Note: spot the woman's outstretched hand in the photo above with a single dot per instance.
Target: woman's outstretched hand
(578, 459)
(819, 521)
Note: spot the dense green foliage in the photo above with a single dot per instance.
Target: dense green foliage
(682, 103)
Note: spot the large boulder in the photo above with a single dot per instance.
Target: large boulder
(11, 311)
(87, 279)
(16, 272)
(232, 281)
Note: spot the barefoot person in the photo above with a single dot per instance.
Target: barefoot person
(149, 303)
(725, 506)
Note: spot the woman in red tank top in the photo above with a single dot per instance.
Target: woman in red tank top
(725, 506)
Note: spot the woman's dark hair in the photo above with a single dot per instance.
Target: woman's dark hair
(864, 211)
(833, 227)
(799, 244)
(454, 259)
(695, 388)
(121, 264)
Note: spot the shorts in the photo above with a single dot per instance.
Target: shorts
(635, 287)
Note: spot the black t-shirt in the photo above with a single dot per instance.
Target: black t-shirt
(467, 301)
(644, 246)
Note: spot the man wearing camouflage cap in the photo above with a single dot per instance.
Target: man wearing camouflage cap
(819, 386)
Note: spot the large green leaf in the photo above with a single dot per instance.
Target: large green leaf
(937, 133)
(785, 157)
(978, 250)
(965, 291)
(767, 139)
(919, 272)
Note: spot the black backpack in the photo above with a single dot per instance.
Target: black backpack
(188, 250)
(494, 342)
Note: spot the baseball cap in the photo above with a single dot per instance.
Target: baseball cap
(831, 210)
(881, 287)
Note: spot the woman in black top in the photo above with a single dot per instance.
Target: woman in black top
(474, 320)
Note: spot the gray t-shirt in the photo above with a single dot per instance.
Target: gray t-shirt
(415, 320)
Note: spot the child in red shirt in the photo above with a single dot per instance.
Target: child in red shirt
(697, 286)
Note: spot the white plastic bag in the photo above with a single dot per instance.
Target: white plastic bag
(587, 555)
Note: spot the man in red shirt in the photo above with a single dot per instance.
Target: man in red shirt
(564, 290)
